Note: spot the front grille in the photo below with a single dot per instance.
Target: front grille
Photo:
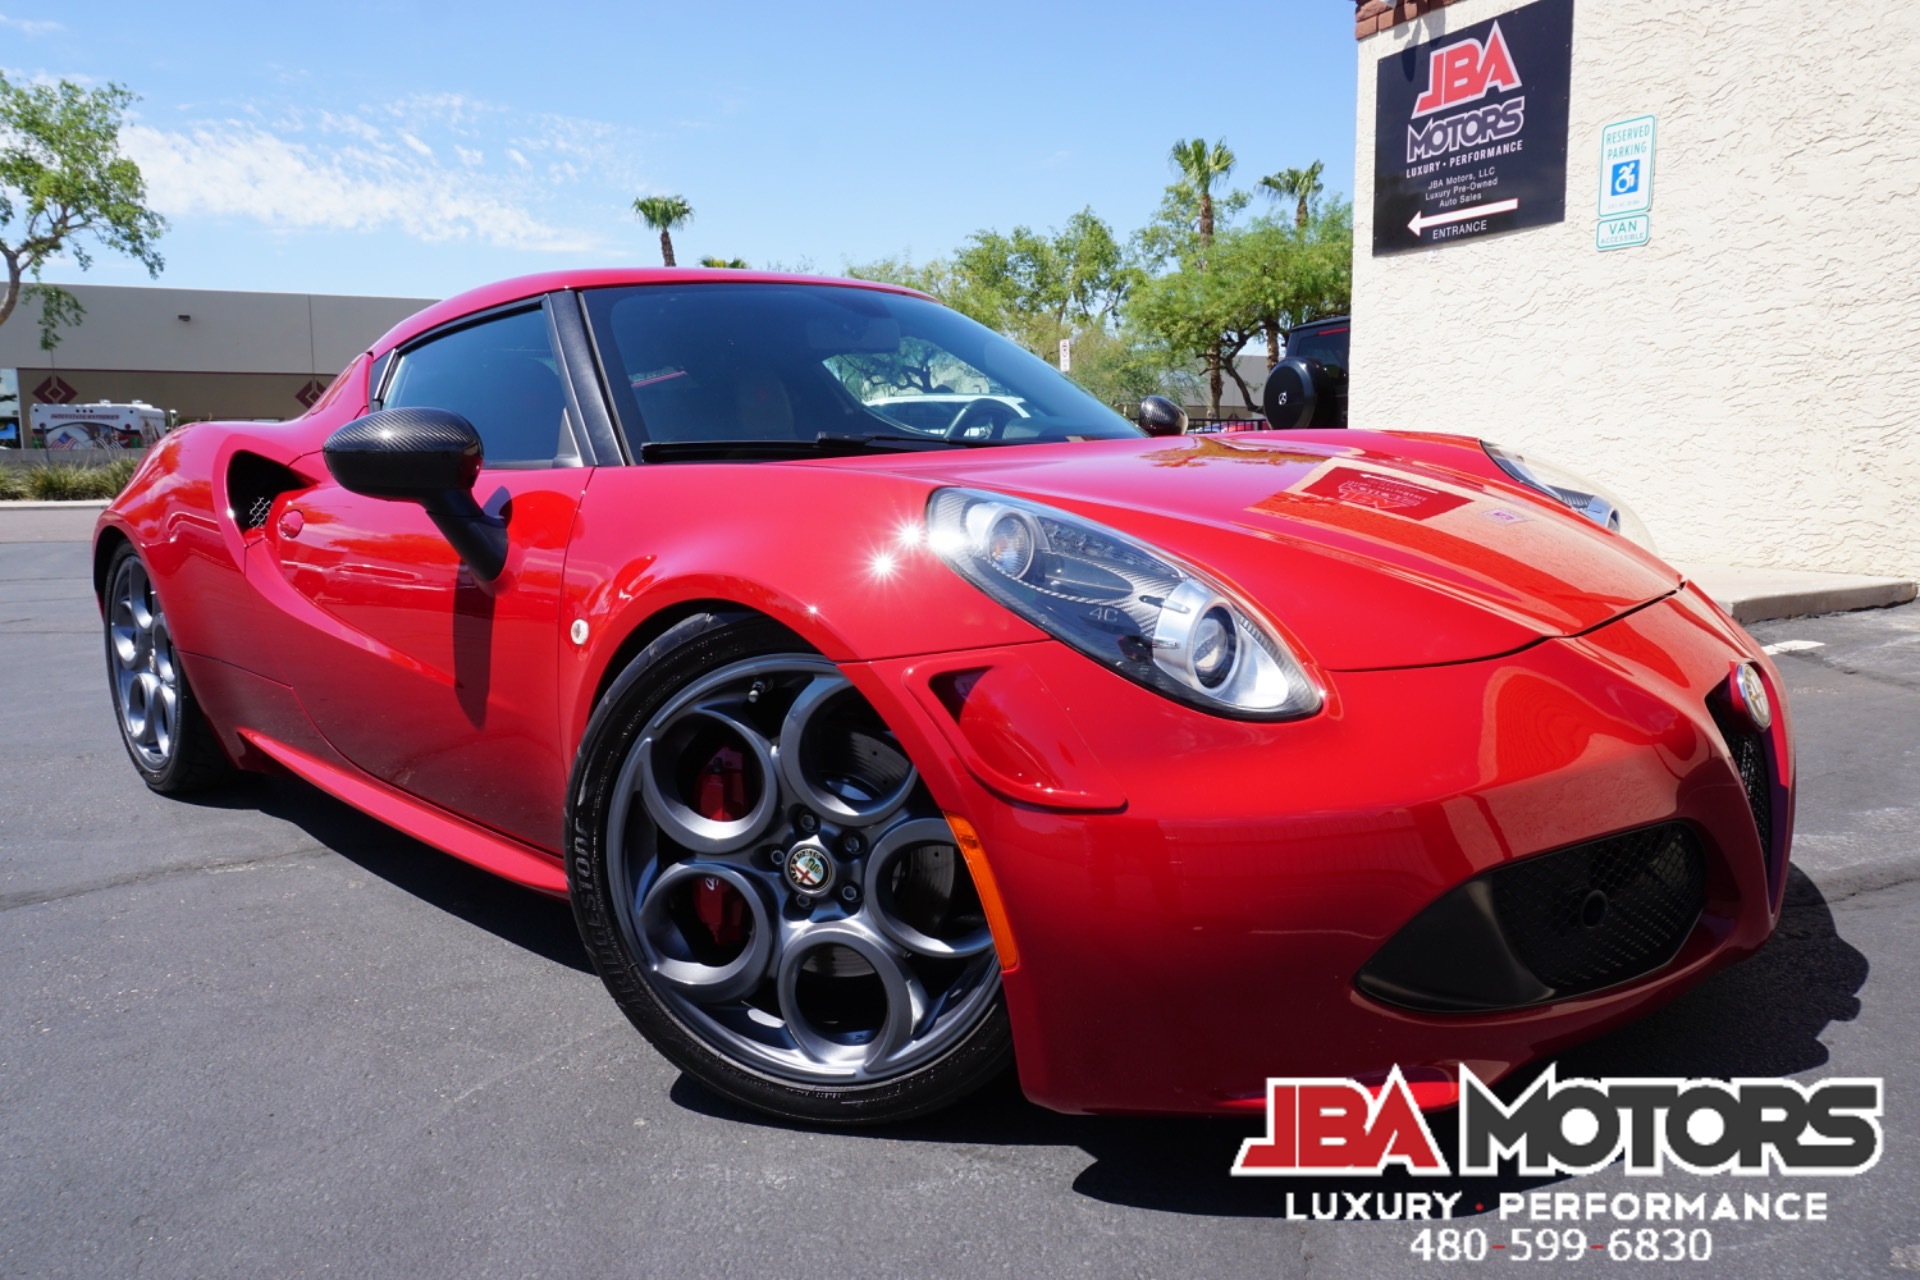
(1600, 913)
(1752, 757)
(1548, 926)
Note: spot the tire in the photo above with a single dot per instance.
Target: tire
(849, 980)
(166, 734)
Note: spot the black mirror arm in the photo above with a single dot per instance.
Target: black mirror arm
(479, 539)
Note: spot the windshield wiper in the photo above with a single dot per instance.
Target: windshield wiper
(883, 441)
(824, 445)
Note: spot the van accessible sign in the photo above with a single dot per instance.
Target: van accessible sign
(1470, 131)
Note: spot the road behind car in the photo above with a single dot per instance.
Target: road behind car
(260, 1034)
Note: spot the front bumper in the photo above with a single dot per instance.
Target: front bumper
(1193, 897)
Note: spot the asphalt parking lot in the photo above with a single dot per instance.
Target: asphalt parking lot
(258, 1034)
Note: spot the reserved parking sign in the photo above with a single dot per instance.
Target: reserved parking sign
(1626, 167)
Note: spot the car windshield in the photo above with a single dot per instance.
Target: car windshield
(720, 362)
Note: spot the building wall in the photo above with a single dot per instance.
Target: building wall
(234, 355)
(1749, 381)
(195, 397)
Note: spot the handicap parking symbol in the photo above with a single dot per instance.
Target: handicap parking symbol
(1626, 177)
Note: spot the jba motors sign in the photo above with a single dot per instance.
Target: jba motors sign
(1470, 130)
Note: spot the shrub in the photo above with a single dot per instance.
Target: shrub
(64, 483)
(117, 473)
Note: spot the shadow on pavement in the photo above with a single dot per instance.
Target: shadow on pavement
(527, 919)
(1763, 1017)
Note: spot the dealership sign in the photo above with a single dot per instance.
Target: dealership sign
(1470, 130)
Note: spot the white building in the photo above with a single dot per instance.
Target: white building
(1749, 377)
(201, 353)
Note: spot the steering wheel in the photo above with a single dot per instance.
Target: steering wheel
(996, 413)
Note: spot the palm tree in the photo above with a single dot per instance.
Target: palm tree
(1199, 167)
(1301, 185)
(738, 264)
(663, 214)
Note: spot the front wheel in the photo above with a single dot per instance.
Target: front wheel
(768, 890)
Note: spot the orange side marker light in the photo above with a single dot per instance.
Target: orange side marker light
(983, 883)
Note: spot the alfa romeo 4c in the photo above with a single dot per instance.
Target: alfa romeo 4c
(890, 710)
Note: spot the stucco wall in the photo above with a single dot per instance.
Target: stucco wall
(226, 332)
(1749, 381)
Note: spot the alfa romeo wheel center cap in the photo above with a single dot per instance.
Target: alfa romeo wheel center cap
(809, 869)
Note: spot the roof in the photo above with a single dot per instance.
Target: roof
(505, 291)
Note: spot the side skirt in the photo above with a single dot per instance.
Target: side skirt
(489, 850)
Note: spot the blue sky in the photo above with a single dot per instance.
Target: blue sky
(418, 149)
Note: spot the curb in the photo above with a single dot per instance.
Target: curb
(1766, 595)
(1880, 594)
(31, 504)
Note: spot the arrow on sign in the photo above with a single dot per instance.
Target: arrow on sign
(1421, 221)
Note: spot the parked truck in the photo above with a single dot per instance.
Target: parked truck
(103, 425)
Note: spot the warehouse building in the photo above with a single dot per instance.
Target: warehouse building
(1666, 246)
(199, 353)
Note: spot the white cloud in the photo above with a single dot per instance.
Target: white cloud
(419, 165)
(351, 125)
(48, 79)
(31, 26)
(238, 169)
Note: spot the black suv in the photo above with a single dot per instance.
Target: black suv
(1308, 388)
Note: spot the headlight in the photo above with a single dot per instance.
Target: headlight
(1584, 496)
(1144, 614)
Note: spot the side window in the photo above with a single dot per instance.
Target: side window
(500, 375)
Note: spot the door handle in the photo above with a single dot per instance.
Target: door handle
(291, 523)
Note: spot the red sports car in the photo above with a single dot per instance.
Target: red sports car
(877, 744)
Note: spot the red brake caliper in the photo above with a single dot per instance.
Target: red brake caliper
(722, 797)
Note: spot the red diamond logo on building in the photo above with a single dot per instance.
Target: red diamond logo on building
(54, 391)
(310, 393)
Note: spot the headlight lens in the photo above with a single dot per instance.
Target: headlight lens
(1584, 496)
(1138, 611)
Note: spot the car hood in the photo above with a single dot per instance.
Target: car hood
(1368, 560)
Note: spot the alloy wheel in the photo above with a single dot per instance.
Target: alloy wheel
(140, 660)
(790, 890)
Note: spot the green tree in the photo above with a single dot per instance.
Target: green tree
(737, 264)
(63, 182)
(1264, 278)
(1122, 366)
(1038, 288)
(664, 214)
(1034, 287)
(1298, 185)
(1200, 167)
(934, 278)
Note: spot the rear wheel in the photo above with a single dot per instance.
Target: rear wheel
(166, 734)
(768, 890)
